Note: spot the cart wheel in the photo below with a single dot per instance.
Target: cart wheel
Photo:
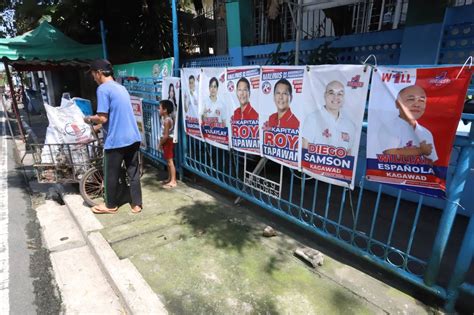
(92, 187)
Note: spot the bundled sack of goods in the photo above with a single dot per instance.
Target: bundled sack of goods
(66, 137)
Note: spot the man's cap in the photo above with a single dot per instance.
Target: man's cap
(100, 65)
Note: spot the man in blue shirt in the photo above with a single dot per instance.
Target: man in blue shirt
(122, 138)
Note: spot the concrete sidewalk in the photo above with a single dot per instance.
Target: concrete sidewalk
(202, 255)
(191, 251)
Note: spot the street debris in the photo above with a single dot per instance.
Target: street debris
(268, 231)
(312, 256)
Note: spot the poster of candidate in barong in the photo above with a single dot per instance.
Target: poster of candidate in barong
(413, 117)
(171, 91)
(281, 103)
(243, 85)
(214, 107)
(331, 129)
(190, 89)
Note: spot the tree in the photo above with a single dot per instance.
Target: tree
(136, 30)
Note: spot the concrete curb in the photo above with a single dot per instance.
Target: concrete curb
(133, 291)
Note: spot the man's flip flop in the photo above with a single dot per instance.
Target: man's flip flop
(102, 209)
(137, 211)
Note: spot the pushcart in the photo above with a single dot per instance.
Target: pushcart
(76, 163)
(72, 163)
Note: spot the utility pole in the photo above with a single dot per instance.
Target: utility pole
(175, 38)
(298, 30)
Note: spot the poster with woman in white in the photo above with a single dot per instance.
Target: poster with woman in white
(214, 107)
(171, 91)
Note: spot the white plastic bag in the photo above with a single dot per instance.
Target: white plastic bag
(66, 126)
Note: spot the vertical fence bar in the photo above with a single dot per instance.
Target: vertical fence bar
(359, 203)
(449, 213)
(463, 263)
(341, 209)
(326, 210)
(392, 225)
(376, 212)
(413, 228)
(315, 194)
(303, 184)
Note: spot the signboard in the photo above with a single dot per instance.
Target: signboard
(145, 69)
(243, 86)
(330, 132)
(138, 113)
(190, 84)
(413, 116)
(281, 108)
(214, 107)
(171, 91)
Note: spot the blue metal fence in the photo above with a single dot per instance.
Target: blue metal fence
(408, 238)
(391, 232)
(149, 90)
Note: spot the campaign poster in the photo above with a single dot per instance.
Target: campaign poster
(144, 69)
(243, 85)
(331, 129)
(190, 78)
(214, 107)
(171, 91)
(413, 116)
(281, 103)
(138, 113)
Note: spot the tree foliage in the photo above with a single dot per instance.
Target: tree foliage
(136, 30)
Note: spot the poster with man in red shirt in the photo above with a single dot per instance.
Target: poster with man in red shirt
(243, 85)
(413, 117)
(281, 101)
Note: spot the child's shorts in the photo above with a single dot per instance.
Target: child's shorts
(168, 149)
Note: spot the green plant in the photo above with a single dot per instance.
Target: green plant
(282, 58)
(324, 54)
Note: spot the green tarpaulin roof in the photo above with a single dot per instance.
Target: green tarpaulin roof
(46, 43)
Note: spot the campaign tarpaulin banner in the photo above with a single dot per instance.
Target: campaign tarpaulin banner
(171, 89)
(214, 107)
(330, 132)
(151, 68)
(190, 88)
(243, 85)
(413, 116)
(138, 113)
(281, 103)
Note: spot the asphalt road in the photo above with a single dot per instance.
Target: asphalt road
(26, 280)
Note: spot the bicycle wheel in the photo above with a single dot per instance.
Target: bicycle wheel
(91, 187)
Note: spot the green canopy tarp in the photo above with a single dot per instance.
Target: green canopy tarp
(46, 43)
